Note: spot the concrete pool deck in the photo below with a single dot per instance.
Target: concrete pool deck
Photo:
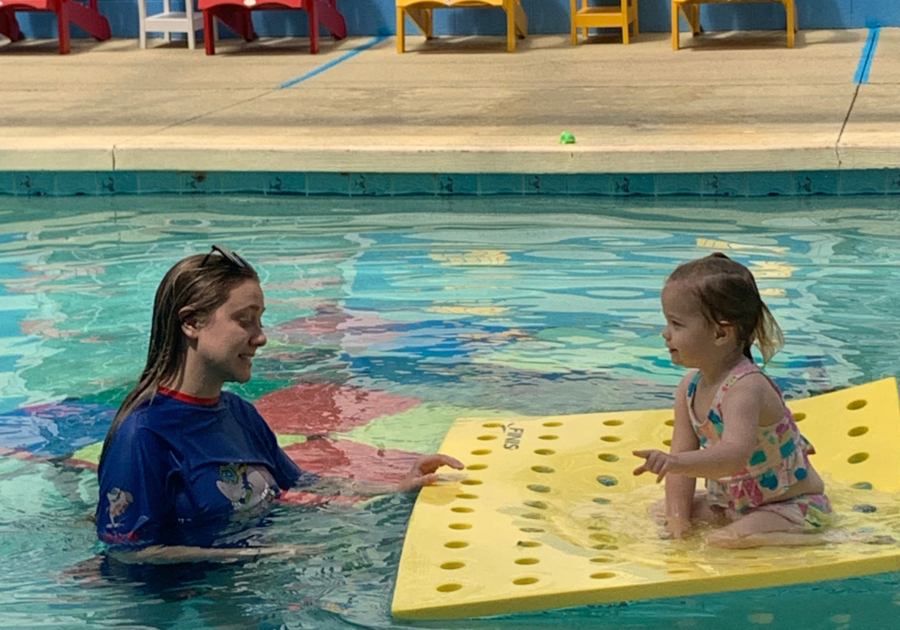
(726, 102)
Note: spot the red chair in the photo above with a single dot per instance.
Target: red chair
(235, 14)
(85, 16)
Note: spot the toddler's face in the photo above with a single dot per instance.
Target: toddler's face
(690, 337)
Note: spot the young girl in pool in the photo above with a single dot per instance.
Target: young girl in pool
(731, 424)
(184, 464)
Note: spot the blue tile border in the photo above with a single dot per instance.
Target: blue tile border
(747, 184)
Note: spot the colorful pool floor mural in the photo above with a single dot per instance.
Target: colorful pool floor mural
(387, 320)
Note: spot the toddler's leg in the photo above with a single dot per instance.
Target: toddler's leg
(763, 529)
(700, 511)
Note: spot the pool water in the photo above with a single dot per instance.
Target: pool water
(393, 317)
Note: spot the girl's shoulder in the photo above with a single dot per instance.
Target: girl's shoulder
(688, 384)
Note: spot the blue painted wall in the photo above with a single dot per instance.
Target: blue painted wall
(368, 17)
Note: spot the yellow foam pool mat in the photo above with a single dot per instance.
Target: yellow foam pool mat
(548, 513)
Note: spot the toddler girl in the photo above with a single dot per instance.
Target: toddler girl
(731, 424)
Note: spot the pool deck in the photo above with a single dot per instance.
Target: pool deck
(723, 103)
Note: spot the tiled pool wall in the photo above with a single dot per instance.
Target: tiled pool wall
(750, 184)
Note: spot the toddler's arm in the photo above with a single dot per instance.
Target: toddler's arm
(680, 488)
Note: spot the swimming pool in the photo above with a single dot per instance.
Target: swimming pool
(394, 317)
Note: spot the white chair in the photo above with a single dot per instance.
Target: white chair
(188, 21)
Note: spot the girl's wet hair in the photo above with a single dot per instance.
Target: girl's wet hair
(191, 290)
(728, 295)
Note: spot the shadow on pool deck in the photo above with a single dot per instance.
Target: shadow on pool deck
(725, 102)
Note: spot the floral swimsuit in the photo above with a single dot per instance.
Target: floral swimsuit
(779, 461)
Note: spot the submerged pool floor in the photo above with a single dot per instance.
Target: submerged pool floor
(388, 319)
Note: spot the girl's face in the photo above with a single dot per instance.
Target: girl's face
(690, 337)
(228, 339)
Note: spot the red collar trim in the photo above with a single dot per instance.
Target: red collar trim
(187, 398)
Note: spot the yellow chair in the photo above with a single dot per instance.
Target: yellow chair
(420, 12)
(690, 11)
(604, 17)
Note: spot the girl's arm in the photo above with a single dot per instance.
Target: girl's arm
(422, 473)
(741, 409)
(680, 488)
(169, 554)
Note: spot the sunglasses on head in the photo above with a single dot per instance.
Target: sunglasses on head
(235, 259)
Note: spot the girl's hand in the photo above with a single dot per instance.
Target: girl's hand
(423, 472)
(657, 462)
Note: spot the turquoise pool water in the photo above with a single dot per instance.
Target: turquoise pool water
(394, 317)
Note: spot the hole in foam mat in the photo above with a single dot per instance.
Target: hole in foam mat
(535, 487)
(857, 404)
(534, 516)
(607, 480)
(449, 588)
(545, 451)
(667, 442)
(548, 437)
(471, 482)
(759, 565)
(613, 423)
(553, 424)
(528, 543)
(492, 425)
(450, 566)
(539, 505)
(485, 438)
(862, 485)
(611, 438)
(542, 469)
(531, 530)
(608, 457)
(601, 559)
(466, 495)
(678, 571)
(607, 538)
(476, 467)
(858, 458)
(602, 501)
(527, 561)
(482, 451)
(460, 526)
(670, 422)
(462, 510)
(456, 544)
(525, 581)
(605, 575)
(605, 547)
(857, 431)
(799, 416)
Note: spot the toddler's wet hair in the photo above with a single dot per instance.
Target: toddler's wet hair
(728, 295)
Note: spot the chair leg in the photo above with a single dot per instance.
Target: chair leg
(312, 11)
(789, 8)
(62, 21)
(87, 20)
(209, 35)
(635, 8)
(9, 25)
(142, 23)
(675, 26)
(573, 12)
(510, 28)
(401, 30)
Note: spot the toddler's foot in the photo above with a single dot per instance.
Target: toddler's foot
(841, 536)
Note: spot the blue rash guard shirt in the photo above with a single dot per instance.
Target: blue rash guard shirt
(189, 471)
